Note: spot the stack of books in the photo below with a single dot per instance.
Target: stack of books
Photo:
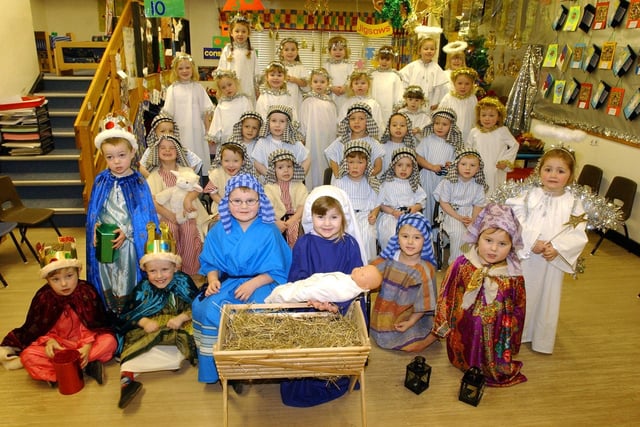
(26, 131)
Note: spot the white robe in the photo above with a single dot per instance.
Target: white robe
(187, 103)
(227, 113)
(395, 193)
(465, 110)
(300, 72)
(430, 77)
(387, 88)
(339, 77)
(542, 217)
(266, 100)
(246, 69)
(493, 147)
(419, 119)
(318, 122)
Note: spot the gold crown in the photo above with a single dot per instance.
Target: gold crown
(54, 256)
(159, 243)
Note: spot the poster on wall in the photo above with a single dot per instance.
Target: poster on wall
(602, 10)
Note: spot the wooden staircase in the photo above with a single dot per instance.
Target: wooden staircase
(53, 180)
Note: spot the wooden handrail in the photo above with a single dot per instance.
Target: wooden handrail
(103, 97)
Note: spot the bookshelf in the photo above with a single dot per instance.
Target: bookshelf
(26, 131)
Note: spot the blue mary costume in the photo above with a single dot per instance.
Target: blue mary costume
(238, 256)
(127, 202)
(315, 254)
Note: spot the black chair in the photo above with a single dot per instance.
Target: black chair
(7, 228)
(591, 176)
(621, 192)
(13, 210)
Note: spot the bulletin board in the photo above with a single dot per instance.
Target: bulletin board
(578, 89)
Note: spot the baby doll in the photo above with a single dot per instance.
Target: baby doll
(328, 287)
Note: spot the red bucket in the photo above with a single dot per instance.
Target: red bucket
(68, 371)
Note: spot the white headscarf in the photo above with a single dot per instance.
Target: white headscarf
(350, 215)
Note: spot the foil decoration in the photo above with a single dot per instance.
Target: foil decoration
(524, 91)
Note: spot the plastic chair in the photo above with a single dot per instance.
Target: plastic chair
(13, 210)
(7, 228)
(591, 176)
(621, 192)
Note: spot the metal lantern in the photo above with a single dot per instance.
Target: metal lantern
(472, 386)
(418, 375)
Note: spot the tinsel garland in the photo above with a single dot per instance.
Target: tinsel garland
(601, 214)
(394, 11)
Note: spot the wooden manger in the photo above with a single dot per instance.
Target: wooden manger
(290, 362)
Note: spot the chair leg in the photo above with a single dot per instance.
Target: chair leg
(15, 242)
(54, 226)
(4, 282)
(23, 234)
(598, 244)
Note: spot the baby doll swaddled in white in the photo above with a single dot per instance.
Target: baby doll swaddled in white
(328, 287)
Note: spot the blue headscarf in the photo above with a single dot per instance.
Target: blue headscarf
(265, 212)
(418, 221)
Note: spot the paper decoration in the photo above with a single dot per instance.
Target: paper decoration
(600, 95)
(618, 15)
(571, 91)
(587, 17)
(547, 84)
(558, 91)
(592, 59)
(579, 53)
(585, 95)
(558, 23)
(624, 61)
(633, 20)
(614, 105)
(564, 57)
(551, 57)
(243, 5)
(600, 20)
(632, 109)
(606, 57)
(573, 18)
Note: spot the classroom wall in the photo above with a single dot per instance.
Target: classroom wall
(614, 159)
(18, 62)
(82, 18)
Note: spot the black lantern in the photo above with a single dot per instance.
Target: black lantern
(472, 386)
(418, 375)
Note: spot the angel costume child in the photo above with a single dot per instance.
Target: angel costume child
(481, 308)
(462, 99)
(240, 57)
(231, 105)
(553, 230)
(400, 193)
(318, 117)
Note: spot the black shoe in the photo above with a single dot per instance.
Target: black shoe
(128, 392)
(52, 384)
(95, 370)
(237, 386)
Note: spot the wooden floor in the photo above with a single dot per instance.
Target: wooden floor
(592, 379)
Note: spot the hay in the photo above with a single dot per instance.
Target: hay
(276, 330)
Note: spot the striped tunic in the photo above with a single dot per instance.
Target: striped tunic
(462, 196)
(396, 193)
(363, 199)
(437, 151)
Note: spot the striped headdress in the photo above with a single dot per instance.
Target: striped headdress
(265, 212)
(362, 146)
(423, 225)
(344, 132)
(454, 137)
(452, 172)
(400, 153)
(282, 154)
(153, 161)
(408, 140)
